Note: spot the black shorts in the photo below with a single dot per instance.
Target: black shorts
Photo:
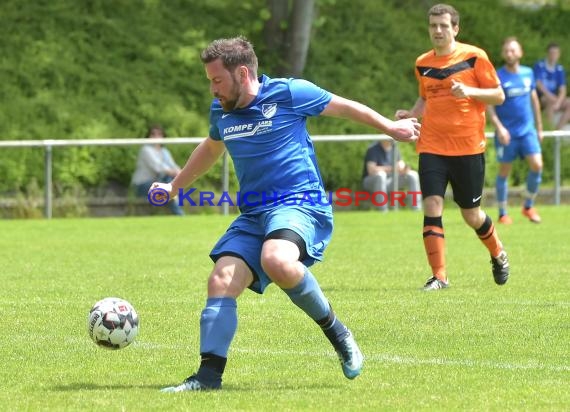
(466, 174)
(291, 236)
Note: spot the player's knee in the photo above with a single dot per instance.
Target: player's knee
(279, 268)
(535, 163)
(273, 263)
(279, 259)
(218, 282)
(433, 205)
(473, 217)
(226, 281)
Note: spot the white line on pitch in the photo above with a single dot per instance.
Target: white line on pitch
(387, 358)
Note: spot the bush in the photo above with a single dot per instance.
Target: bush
(106, 69)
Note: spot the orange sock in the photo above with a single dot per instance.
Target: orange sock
(434, 243)
(489, 237)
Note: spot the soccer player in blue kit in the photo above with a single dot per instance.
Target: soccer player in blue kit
(518, 124)
(262, 124)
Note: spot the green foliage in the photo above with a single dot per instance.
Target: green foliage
(28, 202)
(98, 70)
(372, 60)
(106, 69)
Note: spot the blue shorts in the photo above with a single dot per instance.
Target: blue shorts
(245, 236)
(518, 147)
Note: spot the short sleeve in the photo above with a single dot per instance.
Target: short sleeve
(561, 81)
(215, 114)
(370, 155)
(486, 73)
(308, 99)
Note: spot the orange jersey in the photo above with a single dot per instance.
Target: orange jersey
(453, 126)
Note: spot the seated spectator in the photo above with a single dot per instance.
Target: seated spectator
(155, 163)
(551, 85)
(377, 174)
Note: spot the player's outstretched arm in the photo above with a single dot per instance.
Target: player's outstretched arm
(405, 130)
(200, 160)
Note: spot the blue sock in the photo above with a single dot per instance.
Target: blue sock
(333, 328)
(309, 297)
(532, 182)
(502, 194)
(218, 325)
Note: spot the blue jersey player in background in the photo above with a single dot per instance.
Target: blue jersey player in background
(518, 126)
(284, 225)
(551, 87)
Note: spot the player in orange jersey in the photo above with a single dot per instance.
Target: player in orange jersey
(456, 82)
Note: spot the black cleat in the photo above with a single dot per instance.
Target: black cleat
(500, 268)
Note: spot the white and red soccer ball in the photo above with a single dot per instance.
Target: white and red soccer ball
(113, 323)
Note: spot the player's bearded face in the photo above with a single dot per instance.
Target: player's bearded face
(229, 100)
(512, 53)
(224, 84)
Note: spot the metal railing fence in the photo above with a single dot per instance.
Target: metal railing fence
(50, 144)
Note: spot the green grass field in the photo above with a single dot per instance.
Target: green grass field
(474, 346)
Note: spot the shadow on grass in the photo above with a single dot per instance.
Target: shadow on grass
(95, 387)
(227, 388)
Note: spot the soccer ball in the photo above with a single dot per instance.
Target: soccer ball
(113, 323)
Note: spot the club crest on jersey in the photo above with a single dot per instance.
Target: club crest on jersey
(527, 82)
(269, 110)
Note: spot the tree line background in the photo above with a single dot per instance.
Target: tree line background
(94, 69)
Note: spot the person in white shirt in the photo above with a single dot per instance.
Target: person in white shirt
(155, 163)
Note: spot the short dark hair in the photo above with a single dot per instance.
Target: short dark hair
(234, 52)
(552, 45)
(155, 127)
(510, 39)
(440, 9)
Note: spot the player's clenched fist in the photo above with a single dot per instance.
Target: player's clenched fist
(160, 193)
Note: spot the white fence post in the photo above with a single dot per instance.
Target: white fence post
(395, 174)
(48, 167)
(557, 170)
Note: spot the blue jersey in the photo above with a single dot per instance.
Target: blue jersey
(269, 144)
(551, 78)
(516, 112)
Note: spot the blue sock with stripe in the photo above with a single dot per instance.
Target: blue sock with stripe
(308, 296)
(533, 180)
